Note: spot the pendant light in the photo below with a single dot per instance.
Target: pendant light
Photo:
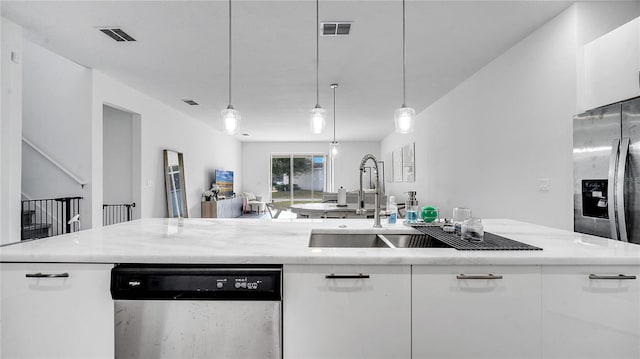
(318, 114)
(404, 116)
(334, 146)
(230, 117)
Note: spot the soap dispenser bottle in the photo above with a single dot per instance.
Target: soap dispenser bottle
(411, 207)
(392, 208)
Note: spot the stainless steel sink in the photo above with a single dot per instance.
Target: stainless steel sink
(413, 241)
(347, 240)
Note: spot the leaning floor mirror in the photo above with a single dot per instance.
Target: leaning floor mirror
(174, 181)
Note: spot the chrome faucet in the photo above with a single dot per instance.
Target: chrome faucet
(361, 210)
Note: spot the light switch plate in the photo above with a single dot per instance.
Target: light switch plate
(15, 57)
(544, 185)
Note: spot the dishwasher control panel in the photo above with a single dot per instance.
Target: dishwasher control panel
(149, 282)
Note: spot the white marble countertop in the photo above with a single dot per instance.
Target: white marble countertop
(240, 241)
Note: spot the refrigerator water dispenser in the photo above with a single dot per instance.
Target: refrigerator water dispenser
(594, 198)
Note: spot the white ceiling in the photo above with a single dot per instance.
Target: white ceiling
(181, 52)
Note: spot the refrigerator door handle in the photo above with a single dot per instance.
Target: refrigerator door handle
(622, 169)
(611, 190)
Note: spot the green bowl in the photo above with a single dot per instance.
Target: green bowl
(428, 214)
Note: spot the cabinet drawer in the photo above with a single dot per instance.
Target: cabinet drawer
(56, 311)
(476, 312)
(347, 311)
(591, 312)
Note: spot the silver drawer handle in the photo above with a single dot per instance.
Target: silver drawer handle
(488, 276)
(619, 276)
(46, 275)
(347, 276)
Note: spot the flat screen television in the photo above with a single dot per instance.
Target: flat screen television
(224, 179)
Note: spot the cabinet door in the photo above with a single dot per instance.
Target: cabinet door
(595, 317)
(347, 315)
(208, 209)
(476, 312)
(612, 66)
(58, 316)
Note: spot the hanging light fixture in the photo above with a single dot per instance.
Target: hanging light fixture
(404, 116)
(230, 117)
(318, 114)
(334, 146)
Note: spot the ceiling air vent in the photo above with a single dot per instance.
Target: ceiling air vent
(117, 34)
(190, 102)
(335, 28)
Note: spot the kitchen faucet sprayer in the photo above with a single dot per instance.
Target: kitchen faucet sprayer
(361, 209)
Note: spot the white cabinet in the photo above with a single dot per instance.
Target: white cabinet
(612, 66)
(476, 312)
(597, 317)
(347, 311)
(56, 311)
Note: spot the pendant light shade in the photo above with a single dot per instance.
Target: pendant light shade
(231, 120)
(318, 114)
(405, 119)
(318, 119)
(230, 117)
(334, 146)
(404, 116)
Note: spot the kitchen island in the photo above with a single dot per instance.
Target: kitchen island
(578, 297)
(287, 242)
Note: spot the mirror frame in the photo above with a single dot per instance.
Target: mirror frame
(167, 181)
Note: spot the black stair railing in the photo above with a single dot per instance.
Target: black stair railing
(116, 213)
(49, 217)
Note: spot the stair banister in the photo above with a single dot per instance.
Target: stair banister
(80, 181)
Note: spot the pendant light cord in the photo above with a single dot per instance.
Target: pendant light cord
(317, 52)
(334, 112)
(404, 80)
(229, 52)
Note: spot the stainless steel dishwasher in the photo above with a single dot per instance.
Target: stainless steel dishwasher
(185, 311)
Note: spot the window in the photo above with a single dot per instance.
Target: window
(297, 178)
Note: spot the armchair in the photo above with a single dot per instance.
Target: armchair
(253, 203)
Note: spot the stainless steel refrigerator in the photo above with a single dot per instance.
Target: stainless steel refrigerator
(606, 169)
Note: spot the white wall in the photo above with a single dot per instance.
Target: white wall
(487, 143)
(118, 156)
(163, 127)
(10, 131)
(56, 102)
(256, 162)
